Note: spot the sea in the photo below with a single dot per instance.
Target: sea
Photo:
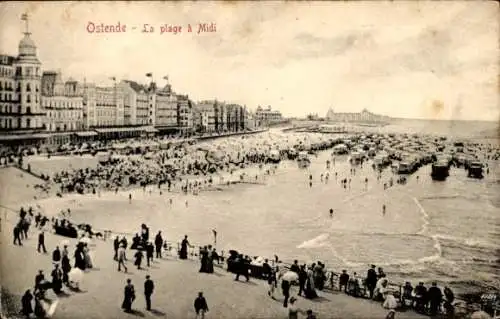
(446, 231)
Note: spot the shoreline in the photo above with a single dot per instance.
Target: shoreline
(73, 197)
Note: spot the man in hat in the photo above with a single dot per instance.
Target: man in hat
(116, 246)
(148, 291)
(435, 296)
(343, 280)
(41, 242)
(371, 280)
(56, 255)
(39, 279)
(285, 287)
(149, 253)
(158, 244)
(121, 257)
(17, 235)
(56, 279)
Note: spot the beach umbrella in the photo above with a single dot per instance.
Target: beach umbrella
(290, 276)
(75, 275)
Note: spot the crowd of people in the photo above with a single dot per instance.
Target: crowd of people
(182, 165)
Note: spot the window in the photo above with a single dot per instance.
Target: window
(19, 122)
(1, 86)
(28, 98)
(28, 110)
(28, 123)
(28, 87)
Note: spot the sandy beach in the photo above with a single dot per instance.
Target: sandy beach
(177, 283)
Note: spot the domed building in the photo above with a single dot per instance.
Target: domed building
(21, 75)
(28, 76)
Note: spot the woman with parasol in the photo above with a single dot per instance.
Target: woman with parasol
(183, 253)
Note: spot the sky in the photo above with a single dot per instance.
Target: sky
(436, 60)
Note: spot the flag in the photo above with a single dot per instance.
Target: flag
(149, 75)
(165, 78)
(24, 16)
(112, 78)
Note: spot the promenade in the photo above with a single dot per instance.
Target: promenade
(177, 283)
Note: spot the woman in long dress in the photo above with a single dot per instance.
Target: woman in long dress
(310, 290)
(79, 257)
(184, 248)
(204, 260)
(86, 254)
(128, 297)
(210, 260)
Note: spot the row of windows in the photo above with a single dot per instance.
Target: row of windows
(64, 127)
(105, 114)
(27, 71)
(27, 98)
(7, 97)
(7, 85)
(13, 124)
(65, 114)
(13, 109)
(6, 71)
(62, 104)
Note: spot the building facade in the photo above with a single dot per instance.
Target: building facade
(165, 109)
(22, 111)
(137, 104)
(204, 117)
(62, 102)
(184, 113)
(7, 92)
(362, 117)
(235, 117)
(267, 116)
(103, 106)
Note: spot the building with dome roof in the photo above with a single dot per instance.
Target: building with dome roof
(361, 117)
(21, 113)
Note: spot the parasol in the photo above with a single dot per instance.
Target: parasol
(290, 276)
(75, 275)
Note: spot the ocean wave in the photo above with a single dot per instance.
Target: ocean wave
(451, 196)
(345, 261)
(316, 242)
(470, 242)
(425, 217)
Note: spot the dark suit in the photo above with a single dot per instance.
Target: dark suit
(148, 291)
